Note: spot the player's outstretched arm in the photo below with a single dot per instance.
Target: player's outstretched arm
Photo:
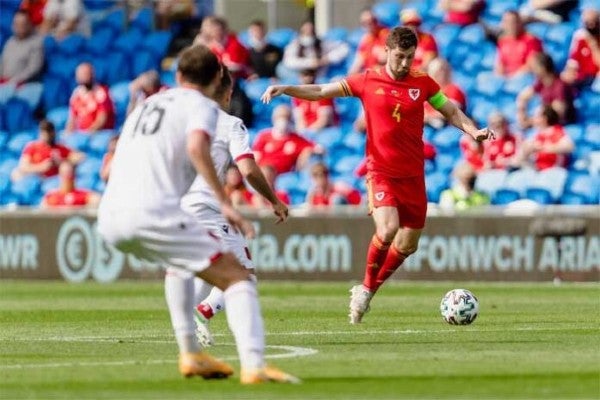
(456, 117)
(253, 174)
(306, 92)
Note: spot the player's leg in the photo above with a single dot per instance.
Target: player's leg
(405, 243)
(244, 318)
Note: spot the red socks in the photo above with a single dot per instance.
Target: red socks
(205, 310)
(393, 260)
(376, 255)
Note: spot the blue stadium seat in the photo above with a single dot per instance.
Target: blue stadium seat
(254, 89)
(355, 36)
(515, 84)
(100, 41)
(539, 195)
(168, 78)
(337, 33)
(472, 35)
(435, 184)
(144, 60)
(347, 164)
(589, 105)
(8, 162)
(355, 141)
(4, 184)
(6, 18)
(489, 181)
(464, 81)
(89, 167)
(27, 190)
(18, 141)
(129, 41)
(489, 84)
(31, 92)
(4, 136)
(519, 180)
(58, 116)
(76, 140)
(118, 67)
(347, 108)
(281, 37)
(446, 139)
(6, 92)
(538, 29)
(552, 180)
(287, 181)
(143, 19)
(560, 34)
(592, 134)
(87, 182)
(50, 183)
(584, 186)
(158, 42)
(481, 111)
(328, 137)
(63, 66)
(505, 196)
(119, 93)
(387, 12)
(100, 186)
(444, 163)
(575, 132)
(18, 115)
(71, 45)
(55, 93)
(98, 143)
(498, 8)
(115, 20)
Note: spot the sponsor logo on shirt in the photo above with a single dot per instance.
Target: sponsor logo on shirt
(380, 91)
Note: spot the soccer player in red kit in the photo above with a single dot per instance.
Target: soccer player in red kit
(393, 97)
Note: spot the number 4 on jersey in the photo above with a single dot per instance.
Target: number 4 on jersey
(396, 113)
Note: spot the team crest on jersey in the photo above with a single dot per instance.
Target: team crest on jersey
(414, 93)
(379, 196)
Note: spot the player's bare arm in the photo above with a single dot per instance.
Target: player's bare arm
(198, 149)
(253, 174)
(306, 92)
(456, 117)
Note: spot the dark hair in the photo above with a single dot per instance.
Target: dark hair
(551, 115)
(48, 127)
(258, 22)
(317, 45)
(401, 37)
(225, 84)
(198, 65)
(545, 61)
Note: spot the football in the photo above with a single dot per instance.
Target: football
(459, 307)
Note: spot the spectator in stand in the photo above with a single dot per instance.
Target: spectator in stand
(281, 147)
(63, 17)
(551, 89)
(371, 49)
(426, 46)
(67, 195)
(548, 11)
(313, 115)
(90, 107)
(326, 193)
(142, 87)
(308, 51)
(43, 156)
(264, 56)
(215, 33)
(462, 195)
(168, 11)
(107, 158)
(583, 65)
(550, 146)
(495, 154)
(270, 174)
(35, 10)
(515, 46)
(441, 71)
(22, 59)
(235, 187)
(462, 12)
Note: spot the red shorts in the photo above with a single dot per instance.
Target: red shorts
(407, 195)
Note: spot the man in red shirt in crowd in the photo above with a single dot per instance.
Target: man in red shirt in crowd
(427, 47)
(67, 195)
(281, 147)
(583, 65)
(313, 115)
(215, 34)
(370, 52)
(42, 157)
(515, 46)
(90, 108)
(462, 12)
(392, 98)
(325, 193)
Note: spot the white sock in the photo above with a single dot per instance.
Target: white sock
(246, 323)
(202, 290)
(215, 300)
(179, 293)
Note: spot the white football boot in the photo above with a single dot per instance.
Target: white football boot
(205, 338)
(359, 303)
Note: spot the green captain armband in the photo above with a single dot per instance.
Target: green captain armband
(438, 100)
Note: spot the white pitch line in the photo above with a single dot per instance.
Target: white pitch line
(292, 351)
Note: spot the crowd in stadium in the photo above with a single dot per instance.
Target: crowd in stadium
(72, 70)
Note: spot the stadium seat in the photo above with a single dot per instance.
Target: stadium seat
(158, 42)
(129, 41)
(328, 137)
(115, 20)
(538, 29)
(4, 184)
(444, 163)
(387, 12)
(489, 181)
(70, 45)
(435, 183)
(552, 180)
(355, 36)
(584, 186)
(119, 93)
(168, 78)
(255, 88)
(446, 139)
(143, 19)
(287, 181)
(4, 136)
(144, 60)
(337, 33)
(575, 132)
(472, 35)
(355, 141)
(100, 41)
(560, 34)
(281, 37)
(505, 196)
(498, 8)
(18, 115)
(50, 183)
(481, 110)
(539, 195)
(347, 108)
(30, 92)
(98, 143)
(27, 190)
(594, 163)
(347, 164)
(89, 167)
(445, 35)
(519, 180)
(589, 105)
(515, 84)
(76, 140)
(58, 116)
(6, 92)
(8, 162)
(63, 66)
(489, 84)
(18, 141)
(87, 182)
(55, 93)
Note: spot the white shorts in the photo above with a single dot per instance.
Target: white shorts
(170, 237)
(233, 241)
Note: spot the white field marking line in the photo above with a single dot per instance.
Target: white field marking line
(140, 338)
(292, 351)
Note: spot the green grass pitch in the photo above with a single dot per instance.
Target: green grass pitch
(93, 341)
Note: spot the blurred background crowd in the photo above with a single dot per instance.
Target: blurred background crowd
(71, 71)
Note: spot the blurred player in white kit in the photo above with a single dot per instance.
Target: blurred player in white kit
(230, 144)
(164, 145)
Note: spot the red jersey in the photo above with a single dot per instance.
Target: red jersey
(280, 153)
(550, 135)
(498, 152)
(472, 152)
(581, 52)
(310, 109)
(368, 44)
(85, 105)
(513, 53)
(464, 18)
(35, 10)
(426, 44)
(394, 118)
(39, 152)
(233, 55)
(56, 198)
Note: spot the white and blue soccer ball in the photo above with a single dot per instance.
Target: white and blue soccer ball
(459, 307)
